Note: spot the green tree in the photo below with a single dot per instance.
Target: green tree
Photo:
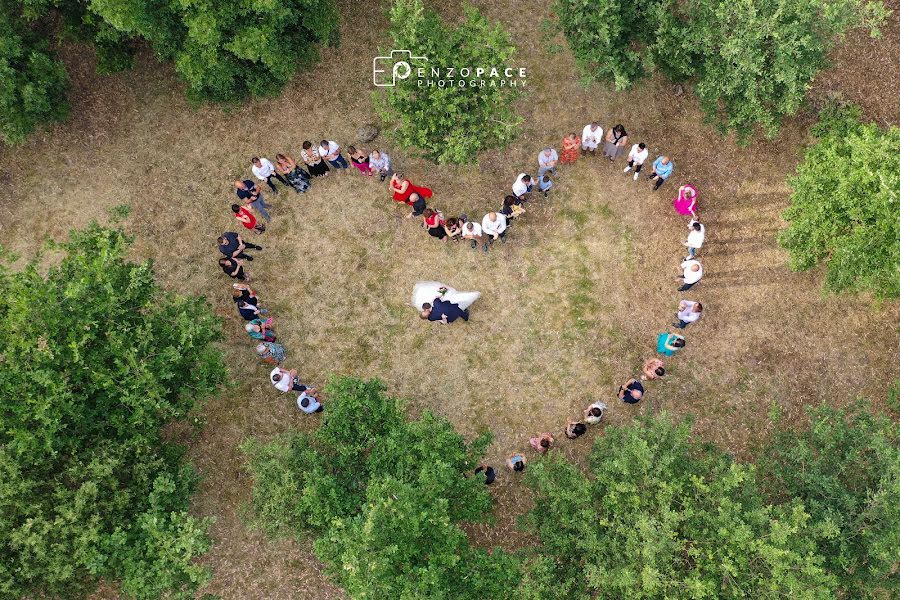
(449, 124)
(32, 82)
(845, 468)
(663, 516)
(844, 207)
(227, 51)
(383, 497)
(96, 359)
(608, 38)
(752, 61)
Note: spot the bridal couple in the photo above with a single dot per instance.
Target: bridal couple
(439, 302)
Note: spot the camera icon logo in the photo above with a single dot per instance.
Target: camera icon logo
(387, 70)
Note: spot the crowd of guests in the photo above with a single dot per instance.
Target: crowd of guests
(327, 156)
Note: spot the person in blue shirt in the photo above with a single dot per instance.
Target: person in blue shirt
(669, 343)
(662, 169)
(443, 311)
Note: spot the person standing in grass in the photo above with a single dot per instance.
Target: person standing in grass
(234, 268)
(242, 292)
(309, 403)
(512, 207)
(472, 233)
(313, 161)
(593, 414)
(286, 381)
(541, 443)
(685, 202)
(653, 368)
(570, 146)
(691, 272)
(249, 193)
(381, 162)
(590, 138)
(688, 312)
(669, 343)
(331, 152)
(522, 186)
(614, 144)
(695, 238)
(575, 429)
(636, 158)
(264, 170)
(270, 352)
(260, 329)
(516, 462)
(631, 391)
(246, 218)
(662, 169)
(544, 185)
(232, 245)
(249, 311)
(493, 227)
(547, 160)
(296, 177)
(433, 221)
(453, 228)
(360, 160)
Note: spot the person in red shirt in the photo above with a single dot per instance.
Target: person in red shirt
(433, 221)
(247, 219)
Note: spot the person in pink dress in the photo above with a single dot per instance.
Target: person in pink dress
(686, 201)
(541, 443)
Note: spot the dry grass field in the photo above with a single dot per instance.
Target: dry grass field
(570, 307)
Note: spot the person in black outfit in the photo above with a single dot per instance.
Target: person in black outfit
(232, 245)
(234, 268)
(418, 205)
(631, 391)
(443, 311)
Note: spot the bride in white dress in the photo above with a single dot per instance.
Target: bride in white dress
(426, 291)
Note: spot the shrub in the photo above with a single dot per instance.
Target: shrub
(664, 516)
(32, 82)
(383, 497)
(752, 60)
(96, 359)
(845, 468)
(843, 208)
(227, 51)
(449, 124)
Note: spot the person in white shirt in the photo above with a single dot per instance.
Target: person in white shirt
(309, 403)
(593, 414)
(381, 162)
(522, 186)
(547, 159)
(493, 226)
(264, 170)
(591, 136)
(691, 271)
(285, 380)
(688, 312)
(331, 152)
(472, 231)
(696, 235)
(636, 159)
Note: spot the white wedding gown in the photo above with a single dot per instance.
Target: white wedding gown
(426, 291)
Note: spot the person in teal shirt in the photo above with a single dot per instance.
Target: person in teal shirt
(669, 343)
(662, 169)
